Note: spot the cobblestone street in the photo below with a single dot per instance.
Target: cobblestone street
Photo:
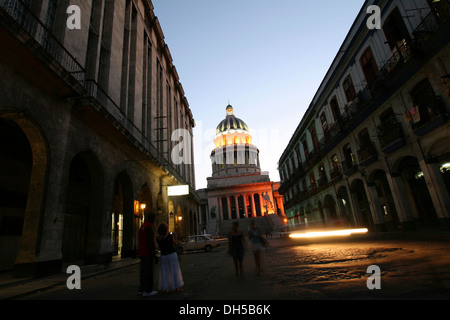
(412, 267)
(409, 270)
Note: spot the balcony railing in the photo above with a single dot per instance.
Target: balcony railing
(399, 56)
(321, 182)
(390, 135)
(335, 175)
(429, 117)
(19, 17)
(31, 24)
(355, 111)
(429, 25)
(367, 154)
(112, 109)
(362, 106)
(349, 167)
(298, 198)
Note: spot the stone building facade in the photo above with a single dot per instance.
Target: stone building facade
(373, 148)
(237, 189)
(86, 122)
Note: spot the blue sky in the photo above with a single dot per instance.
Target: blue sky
(266, 58)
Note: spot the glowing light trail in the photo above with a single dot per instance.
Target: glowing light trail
(315, 234)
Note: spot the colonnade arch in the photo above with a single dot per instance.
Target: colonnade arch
(400, 198)
(84, 206)
(122, 218)
(360, 200)
(23, 185)
(383, 199)
(330, 210)
(417, 192)
(345, 206)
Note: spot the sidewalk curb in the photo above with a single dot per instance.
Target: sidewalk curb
(23, 287)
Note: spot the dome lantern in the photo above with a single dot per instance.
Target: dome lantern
(231, 122)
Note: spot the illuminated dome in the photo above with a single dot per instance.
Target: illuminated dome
(234, 154)
(231, 123)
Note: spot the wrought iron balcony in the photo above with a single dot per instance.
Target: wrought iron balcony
(399, 56)
(313, 158)
(367, 155)
(355, 112)
(16, 17)
(430, 117)
(335, 175)
(349, 167)
(428, 26)
(298, 198)
(391, 136)
(103, 104)
(20, 15)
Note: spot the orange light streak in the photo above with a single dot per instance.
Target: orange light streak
(317, 234)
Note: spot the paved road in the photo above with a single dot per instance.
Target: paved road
(411, 268)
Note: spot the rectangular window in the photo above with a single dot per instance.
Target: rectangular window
(335, 108)
(349, 89)
(369, 67)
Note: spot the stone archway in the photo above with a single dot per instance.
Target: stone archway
(417, 191)
(122, 217)
(384, 199)
(23, 185)
(84, 207)
(23, 180)
(363, 214)
(345, 206)
(329, 207)
(321, 218)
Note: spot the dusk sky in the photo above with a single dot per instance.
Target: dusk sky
(266, 58)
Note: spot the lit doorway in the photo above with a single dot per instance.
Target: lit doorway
(117, 233)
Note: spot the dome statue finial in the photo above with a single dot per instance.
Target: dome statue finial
(229, 110)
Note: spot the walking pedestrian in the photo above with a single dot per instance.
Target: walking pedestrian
(147, 254)
(236, 246)
(170, 277)
(258, 242)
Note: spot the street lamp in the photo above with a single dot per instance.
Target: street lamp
(142, 207)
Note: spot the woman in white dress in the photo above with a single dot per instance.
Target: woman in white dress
(170, 277)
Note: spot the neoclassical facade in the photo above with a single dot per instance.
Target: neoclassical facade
(373, 148)
(237, 189)
(86, 118)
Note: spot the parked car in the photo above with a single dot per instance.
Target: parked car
(198, 242)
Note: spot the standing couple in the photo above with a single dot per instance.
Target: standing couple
(170, 278)
(236, 246)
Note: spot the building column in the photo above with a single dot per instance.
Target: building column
(245, 205)
(437, 189)
(377, 212)
(252, 196)
(229, 207)
(354, 204)
(261, 202)
(236, 201)
(402, 205)
(221, 213)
